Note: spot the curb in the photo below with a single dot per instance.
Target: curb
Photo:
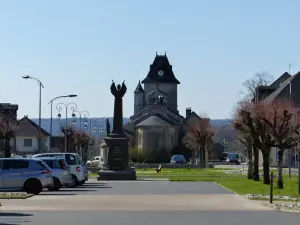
(244, 196)
(229, 189)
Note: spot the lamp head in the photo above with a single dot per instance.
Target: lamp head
(72, 96)
(26, 77)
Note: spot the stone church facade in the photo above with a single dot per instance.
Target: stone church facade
(156, 124)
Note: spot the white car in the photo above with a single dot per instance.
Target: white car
(74, 161)
(95, 161)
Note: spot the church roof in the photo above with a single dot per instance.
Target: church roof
(161, 62)
(155, 120)
(139, 88)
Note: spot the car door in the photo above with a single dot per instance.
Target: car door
(14, 173)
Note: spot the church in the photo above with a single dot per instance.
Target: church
(156, 124)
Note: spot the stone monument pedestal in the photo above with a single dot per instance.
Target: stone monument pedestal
(116, 167)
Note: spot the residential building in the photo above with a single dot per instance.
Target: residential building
(26, 134)
(286, 88)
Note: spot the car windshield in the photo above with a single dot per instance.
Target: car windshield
(178, 157)
(80, 161)
(71, 159)
(233, 156)
(53, 164)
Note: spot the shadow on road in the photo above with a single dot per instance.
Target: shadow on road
(93, 186)
(13, 214)
(9, 219)
(56, 194)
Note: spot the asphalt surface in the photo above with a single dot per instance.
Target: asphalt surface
(148, 218)
(143, 192)
(141, 188)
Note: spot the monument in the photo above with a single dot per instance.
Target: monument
(116, 166)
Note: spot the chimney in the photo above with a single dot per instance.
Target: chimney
(188, 112)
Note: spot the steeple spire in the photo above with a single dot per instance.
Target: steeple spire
(139, 88)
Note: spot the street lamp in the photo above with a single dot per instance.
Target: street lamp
(82, 114)
(224, 141)
(59, 107)
(40, 107)
(51, 104)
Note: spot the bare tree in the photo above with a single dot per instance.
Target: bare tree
(250, 85)
(248, 120)
(199, 137)
(282, 119)
(7, 125)
(81, 142)
(245, 136)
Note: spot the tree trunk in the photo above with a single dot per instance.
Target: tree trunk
(250, 163)
(255, 164)
(280, 160)
(266, 166)
(7, 148)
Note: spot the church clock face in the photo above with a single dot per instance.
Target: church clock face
(160, 73)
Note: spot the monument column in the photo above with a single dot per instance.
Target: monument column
(116, 167)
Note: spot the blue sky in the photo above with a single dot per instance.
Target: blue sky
(78, 47)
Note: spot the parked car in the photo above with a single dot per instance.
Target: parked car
(233, 158)
(177, 159)
(95, 161)
(223, 156)
(60, 172)
(30, 175)
(77, 167)
(16, 156)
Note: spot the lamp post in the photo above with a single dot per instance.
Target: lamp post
(59, 107)
(51, 117)
(83, 114)
(40, 107)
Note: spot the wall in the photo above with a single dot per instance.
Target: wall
(157, 138)
(19, 144)
(170, 89)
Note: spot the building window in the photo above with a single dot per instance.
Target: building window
(27, 142)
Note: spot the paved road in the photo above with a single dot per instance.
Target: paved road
(141, 188)
(148, 218)
(141, 202)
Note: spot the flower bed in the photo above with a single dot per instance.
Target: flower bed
(14, 195)
(267, 197)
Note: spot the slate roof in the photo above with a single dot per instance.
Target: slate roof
(268, 89)
(33, 124)
(155, 120)
(161, 62)
(273, 96)
(280, 80)
(139, 88)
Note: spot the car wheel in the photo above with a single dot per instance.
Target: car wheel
(33, 186)
(74, 181)
(56, 185)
